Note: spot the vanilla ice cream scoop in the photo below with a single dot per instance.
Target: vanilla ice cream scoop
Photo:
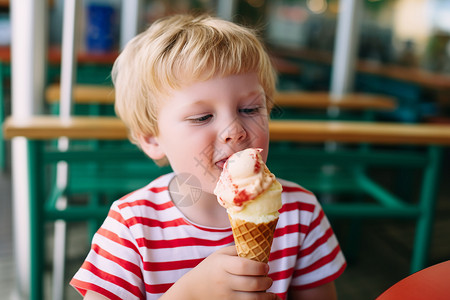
(247, 189)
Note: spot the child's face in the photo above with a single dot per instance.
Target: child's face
(201, 125)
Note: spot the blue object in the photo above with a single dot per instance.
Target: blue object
(100, 28)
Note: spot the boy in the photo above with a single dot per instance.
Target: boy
(193, 91)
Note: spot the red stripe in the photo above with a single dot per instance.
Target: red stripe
(157, 288)
(290, 272)
(145, 202)
(297, 206)
(160, 189)
(152, 189)
(83, 287)
(127, 265)
(147, 221)
(116, 216)
(113, 279)
(172, 265)
(210, 229)
(316, 222)
(295, 228)
(291, 251)
(281, 274)
(319, 242)
(282, 295)
(183, 242)
(295, 189)
(155, 223)
(115, 238)
(171, 223)
(319, 263)
(328, 279)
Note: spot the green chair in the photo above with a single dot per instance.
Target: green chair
(346, 174)
(97, 176)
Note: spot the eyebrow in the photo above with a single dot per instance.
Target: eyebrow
(255, 95)
(196, 103)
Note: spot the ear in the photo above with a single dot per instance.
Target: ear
(151, 147)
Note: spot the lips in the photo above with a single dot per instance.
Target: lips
(221, 163)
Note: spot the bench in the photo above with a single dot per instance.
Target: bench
(284, 160)
(83, 94)
(86, 94)
(353, 101)
(106, 128)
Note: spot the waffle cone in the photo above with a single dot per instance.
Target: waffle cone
(253, 241)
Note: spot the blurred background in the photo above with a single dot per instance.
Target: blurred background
(403, 46)
(402, 51)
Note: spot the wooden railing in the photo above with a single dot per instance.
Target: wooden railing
(104, 128)
(85, 94)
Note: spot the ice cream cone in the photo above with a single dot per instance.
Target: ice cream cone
(252, 196)
(253, 241)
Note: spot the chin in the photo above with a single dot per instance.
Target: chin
(209, 184)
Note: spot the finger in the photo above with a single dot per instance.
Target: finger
(245, 267)
(256, 295)
(250, 283)
(242, 266)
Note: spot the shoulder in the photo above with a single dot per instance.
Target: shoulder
(140, 214)
(148, 201)
(294, 193)
(292, 188)
(156, 192)
(299, 204)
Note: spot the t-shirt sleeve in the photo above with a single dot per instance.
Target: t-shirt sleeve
(112, 267)
(320, 259)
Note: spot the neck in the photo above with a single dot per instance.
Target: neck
(206, 211)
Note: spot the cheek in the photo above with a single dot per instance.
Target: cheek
(264, 144)
(260, 129)
(260, 138)
(190, 151)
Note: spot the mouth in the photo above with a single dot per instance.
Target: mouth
(221, 163)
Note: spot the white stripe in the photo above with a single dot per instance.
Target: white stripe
(115, 289)
(322, 272)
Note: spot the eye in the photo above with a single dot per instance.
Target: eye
(250, 111)
(200, 119)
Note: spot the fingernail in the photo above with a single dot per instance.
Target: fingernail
(267, 269)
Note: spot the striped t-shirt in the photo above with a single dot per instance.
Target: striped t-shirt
(146, 244)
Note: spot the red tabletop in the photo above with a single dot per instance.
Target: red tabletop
(54, 56)
(5, 54)
(430, 283)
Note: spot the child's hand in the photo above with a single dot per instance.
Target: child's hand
(224, 275)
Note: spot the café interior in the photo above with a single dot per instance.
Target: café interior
(361, 118)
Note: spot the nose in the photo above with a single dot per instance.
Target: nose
(233, 132)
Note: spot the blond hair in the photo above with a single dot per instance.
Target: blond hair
(177, 51)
